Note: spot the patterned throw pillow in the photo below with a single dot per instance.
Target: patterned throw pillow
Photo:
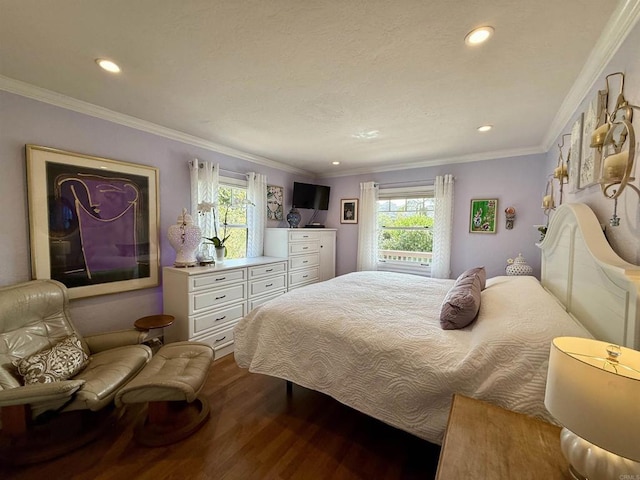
(60, 362)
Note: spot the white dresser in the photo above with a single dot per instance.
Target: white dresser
(311, 253)
(207, 302)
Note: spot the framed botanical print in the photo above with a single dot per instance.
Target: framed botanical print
(483, 214)
(93, 222)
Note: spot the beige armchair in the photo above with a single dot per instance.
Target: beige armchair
(35, 316)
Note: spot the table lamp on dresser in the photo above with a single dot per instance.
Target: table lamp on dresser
(593, 391)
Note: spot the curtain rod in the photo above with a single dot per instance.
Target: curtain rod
(423, 182)
(229, 172)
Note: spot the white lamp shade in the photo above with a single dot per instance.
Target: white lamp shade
(597, 404)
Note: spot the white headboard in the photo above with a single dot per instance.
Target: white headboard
(598, 288)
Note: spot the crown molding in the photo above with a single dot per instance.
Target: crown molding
(620, 24)
(59, 100)
(473, 157)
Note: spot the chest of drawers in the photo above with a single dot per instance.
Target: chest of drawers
(207, 302)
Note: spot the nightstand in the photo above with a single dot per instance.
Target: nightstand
(489, 442)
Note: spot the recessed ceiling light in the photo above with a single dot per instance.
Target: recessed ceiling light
(108, 65)
(478, 35)
(485, 128)
(335, 163)
(366, 135)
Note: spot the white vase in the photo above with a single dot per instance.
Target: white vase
(185, 239)
(220, 251)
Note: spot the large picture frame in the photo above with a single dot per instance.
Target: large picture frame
(93, 222)
(483, 215)
(275, 201)
(349, 210)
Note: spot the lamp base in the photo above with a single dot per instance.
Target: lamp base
(588, 461)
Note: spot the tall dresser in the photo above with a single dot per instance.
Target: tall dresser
(207, 302)
(311, 253)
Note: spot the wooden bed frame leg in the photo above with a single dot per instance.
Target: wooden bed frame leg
(289, 388)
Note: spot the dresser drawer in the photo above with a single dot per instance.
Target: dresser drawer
(307, 275)
(270, 269)
(218, 318)
(217, 278)
(222, 342)
(266, 285)
(256, 302)
(218, 296)
(303, 235)
(303, 247)
(302, 261)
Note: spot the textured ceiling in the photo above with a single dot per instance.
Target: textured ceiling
(292, 81)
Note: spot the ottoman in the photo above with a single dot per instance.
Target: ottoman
(170, 384)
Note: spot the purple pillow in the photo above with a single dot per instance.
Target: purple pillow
(479, 271)
(461, 304)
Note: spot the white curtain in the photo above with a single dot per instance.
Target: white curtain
(205, 177)
(368, 227)
(443, 227)
(256, 213)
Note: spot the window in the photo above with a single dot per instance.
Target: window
(232, 201)
(405, 229)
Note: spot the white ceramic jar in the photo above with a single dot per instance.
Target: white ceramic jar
(518, 266)
(185, 238)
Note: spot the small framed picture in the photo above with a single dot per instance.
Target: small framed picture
(483, 214)
(349, 210)
(275, 199)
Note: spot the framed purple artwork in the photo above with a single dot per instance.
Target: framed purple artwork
(93, 222)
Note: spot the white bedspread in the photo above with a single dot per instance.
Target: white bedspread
(372, 340)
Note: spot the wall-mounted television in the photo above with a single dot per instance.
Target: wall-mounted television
(308, 195)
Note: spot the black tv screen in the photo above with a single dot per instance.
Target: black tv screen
(308, 195)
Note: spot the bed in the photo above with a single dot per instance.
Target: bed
(373, 341)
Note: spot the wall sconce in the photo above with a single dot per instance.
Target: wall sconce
(510, 215)
(548, 203)
(617, 141)
(592, 391)
(561, 173)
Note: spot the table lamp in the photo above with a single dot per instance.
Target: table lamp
(593, 391)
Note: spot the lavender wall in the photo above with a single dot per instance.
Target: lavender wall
(26, 121)
(624, 239)
(508, 180)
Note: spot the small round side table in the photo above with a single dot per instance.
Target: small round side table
(150, 322)
(154, 321)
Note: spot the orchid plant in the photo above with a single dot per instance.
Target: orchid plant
(205, 207)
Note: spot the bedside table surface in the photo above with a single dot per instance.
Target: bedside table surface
(489, 442)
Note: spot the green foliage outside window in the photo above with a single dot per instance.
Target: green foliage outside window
(402, 224)
(232, 201)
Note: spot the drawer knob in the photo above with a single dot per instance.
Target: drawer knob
(306, 261)
(220, 298)
(221, 339)
(305, 276)
(305, 248)
(221, 318)
(219, 279)
(269, 270)
(269, 285)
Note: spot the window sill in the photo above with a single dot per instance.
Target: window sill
(405, 267)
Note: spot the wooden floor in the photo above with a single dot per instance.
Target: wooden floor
(255, 432)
